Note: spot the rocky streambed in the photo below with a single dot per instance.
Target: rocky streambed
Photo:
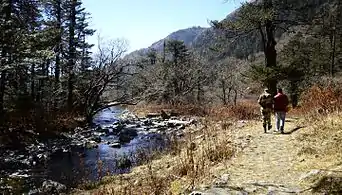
(115, 142)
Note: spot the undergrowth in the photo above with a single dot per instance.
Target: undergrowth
(243, 110)
(180, 170)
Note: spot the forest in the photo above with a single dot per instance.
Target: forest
(53, 80)
(49, 69)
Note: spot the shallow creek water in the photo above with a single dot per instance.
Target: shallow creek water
(75, 165)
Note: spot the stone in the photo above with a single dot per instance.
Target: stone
(91, 144)
(181, 127)
(115, 145)
(34, 192)
(127, 115)
(196, 193)
(164, 115)
(179, 122)
(18, 175)
(98, 133)
(311, 174)
(152, 115)
(130, 132)
(52, 187)
(147, 122)
(222, 181)
(124, 138)
(123, 163)
(97, 139)
(137, 182)
(153, 130)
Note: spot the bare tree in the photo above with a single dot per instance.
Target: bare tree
(107, 70)
(230, 79)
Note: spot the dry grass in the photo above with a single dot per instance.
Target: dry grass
(183, 169)
(42, 121)
(208, 149)
(321, 100)
(321, 149)
(244, 110)
(321, 142)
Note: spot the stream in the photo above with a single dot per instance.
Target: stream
(115, 142)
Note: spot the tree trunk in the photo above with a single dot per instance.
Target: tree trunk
(271, 56)
(72, 53)
(224, 99)
(33, 74)
(269, 45)
(59, 40)
(229, 91)
(199, 90)
(2, 92)
(235, 96)
(6, 41)
(333, 50)
(164, 50)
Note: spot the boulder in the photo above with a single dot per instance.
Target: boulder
(129, 131)
(124, 138)
(123, 163)
(53, 187)
(115, 145)
(126, 135)
(164, 115)
(152, 115)
(147, 122)
(97, 139)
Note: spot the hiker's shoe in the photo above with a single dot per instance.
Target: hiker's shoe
(269, 127)
(265, 129)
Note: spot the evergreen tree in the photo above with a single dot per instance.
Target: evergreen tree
(266, 17)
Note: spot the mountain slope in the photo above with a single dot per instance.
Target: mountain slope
(202, 40)
(188, 35)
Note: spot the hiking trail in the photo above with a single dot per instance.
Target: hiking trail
(267, 164)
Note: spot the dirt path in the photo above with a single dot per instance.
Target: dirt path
(265, 165)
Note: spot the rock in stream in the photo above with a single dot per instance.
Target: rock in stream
(55, 165)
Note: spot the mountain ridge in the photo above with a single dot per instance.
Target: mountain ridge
(188, 35)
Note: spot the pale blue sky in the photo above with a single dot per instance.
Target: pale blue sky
(143, 22)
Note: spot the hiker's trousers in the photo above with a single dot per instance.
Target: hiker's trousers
(280, 120)
(266, 116)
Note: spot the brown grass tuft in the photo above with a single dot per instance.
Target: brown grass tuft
(244, 110)
(179, 171)
(318, 101)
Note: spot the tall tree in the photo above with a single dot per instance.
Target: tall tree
(266, 17)
(71, 56)
(7, 35)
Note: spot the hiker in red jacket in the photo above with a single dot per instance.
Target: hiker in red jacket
(280, 108)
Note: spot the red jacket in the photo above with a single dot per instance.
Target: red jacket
(280, 102)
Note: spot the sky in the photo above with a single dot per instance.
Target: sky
(143, 22)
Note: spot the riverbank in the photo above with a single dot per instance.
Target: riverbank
(117, 141)
(237, 157)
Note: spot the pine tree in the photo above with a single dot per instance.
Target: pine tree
(78, 48)
(266, 17)
(7, 36)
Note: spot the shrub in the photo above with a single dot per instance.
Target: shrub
(319, 100)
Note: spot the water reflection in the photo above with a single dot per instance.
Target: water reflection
(74, 168)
